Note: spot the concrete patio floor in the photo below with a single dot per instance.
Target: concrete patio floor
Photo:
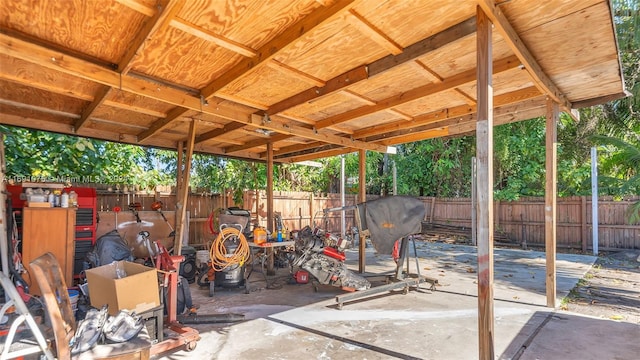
(295, 322)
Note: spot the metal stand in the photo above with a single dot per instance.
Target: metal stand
(401, 279)
(14, 299)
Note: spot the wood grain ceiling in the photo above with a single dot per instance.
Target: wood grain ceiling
(313, 78)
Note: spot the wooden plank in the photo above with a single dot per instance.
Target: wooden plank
(288, 70)
(184, 190)
(98, 99)
(258, 142)
(484, 156)
(360, 73)
(218, 132)
(414, 94)
(362, 197)
(270, 210)
(373, 33)
(166, 10)
(161, 124)
(550, 196)
(269, 50)
(445, 114)
(539, 77)
(209, 36)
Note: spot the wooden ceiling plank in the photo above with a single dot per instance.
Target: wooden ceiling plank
(136, 6)
(166, 10)
(399, 114)
(38, 108)
(293, 72)
(209, 36)
(372, 32)
(269, 50)
(295, 148)
(448, 113)
(255, 143)
(83, 69)
(437, 78)
(417, 93)
(360, 98)
(102, 94)
(218, 132)
(243, 101)
(157, 126)
(467, 98)
(318, 155)
(378, 67)
(539, 77)
(422, 47)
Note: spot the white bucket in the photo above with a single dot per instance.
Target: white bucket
(202, 257)
(73, 298)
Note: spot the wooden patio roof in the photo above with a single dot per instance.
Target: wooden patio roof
(312, 77)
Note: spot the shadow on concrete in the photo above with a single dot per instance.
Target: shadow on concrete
(569, 336)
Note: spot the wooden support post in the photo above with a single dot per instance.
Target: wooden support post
(311, 211)
(550, 195)
(432, 209)
(583, 222)
(184, 190)
(179, 174)
(484, 155)
(362, 193)
(270, 202)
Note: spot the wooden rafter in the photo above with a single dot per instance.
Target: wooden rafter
(444, 114)
(271, 49)
(437, 78)
(209, 36)
(358, 97)
(539, 77)
(293, 72)
(515, 106)
(218, 132)
(372, 32)
(415, 94)
(73, 66)
(344, 80)
(166, 10)
(378, 67)
(254, 143)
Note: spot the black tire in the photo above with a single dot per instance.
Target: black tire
(212, 288)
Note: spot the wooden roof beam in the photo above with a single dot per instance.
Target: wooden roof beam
(444, 114)
(417, 93)
(378, 67)
(269, 50)
(218, 132)
(293, 72)
(372, 32)
(539, 77)
(167, 9)
(211, 37)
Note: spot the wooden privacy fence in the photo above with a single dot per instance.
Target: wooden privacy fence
(520, 222)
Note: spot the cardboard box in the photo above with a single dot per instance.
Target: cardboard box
(138, 291)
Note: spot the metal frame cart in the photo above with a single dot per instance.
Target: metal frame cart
(386, 221)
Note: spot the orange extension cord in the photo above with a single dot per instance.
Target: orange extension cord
(218, 253)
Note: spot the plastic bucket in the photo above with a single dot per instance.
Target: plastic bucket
(73, 298)
(202, 257)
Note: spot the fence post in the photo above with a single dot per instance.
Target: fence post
(583, 222)
(433, 205)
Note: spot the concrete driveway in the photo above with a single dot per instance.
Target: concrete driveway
(295, 322)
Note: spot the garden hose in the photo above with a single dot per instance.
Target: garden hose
(220, 258)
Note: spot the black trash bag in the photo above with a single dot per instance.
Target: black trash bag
(109, 247)
(391, 218)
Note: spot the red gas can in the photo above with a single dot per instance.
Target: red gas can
(301, 276)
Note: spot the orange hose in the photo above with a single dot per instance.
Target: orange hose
(218, 252)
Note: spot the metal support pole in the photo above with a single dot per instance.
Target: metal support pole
(594, 198)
